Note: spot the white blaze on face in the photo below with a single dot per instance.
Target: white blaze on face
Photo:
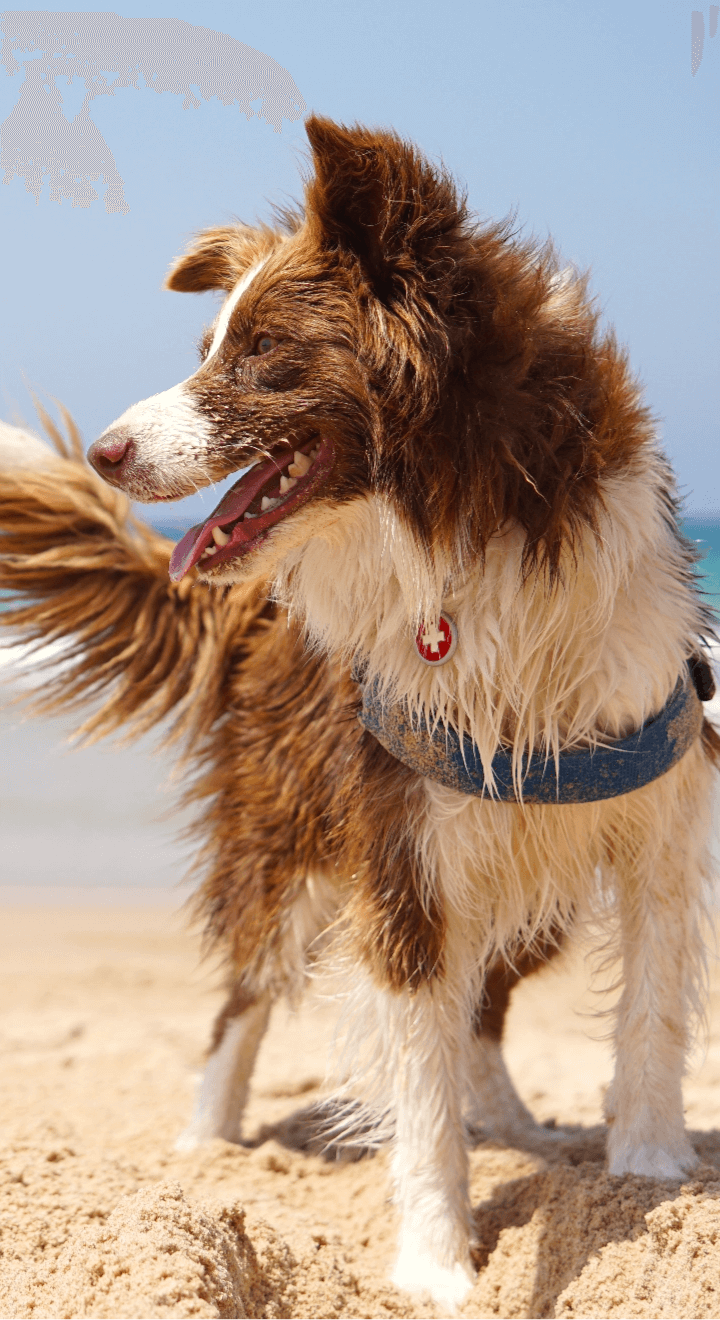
(229, 306)
(170, 432)
(169, 420)
(171, 440)
(173, 414)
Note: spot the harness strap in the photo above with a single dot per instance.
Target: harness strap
(582, 774)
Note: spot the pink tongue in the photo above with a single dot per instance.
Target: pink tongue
(232, 505)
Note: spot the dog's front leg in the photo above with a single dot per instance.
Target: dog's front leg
(409, 1020)
(430, 1158)
(660, 902)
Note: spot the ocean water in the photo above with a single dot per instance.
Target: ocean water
(706, 536)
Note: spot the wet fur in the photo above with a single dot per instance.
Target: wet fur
(493, 457)
(265, 728)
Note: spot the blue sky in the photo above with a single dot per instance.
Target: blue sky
(583, 118)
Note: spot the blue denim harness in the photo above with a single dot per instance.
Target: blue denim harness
(582, 774)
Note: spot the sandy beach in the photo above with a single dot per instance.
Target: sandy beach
(104, 1015)
(105, 1010)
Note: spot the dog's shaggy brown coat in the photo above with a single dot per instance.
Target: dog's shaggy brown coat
(452, 430)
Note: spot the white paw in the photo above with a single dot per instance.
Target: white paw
(188, 1140)
(446, 1285)
(199, 1134)
(650, 1160)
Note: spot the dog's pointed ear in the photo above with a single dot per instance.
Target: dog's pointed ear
(218, 258)
(207, 264)
(374, 195)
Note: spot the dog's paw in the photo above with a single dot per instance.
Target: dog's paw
(651, 1160)
(446, 1285)
(199, 1134)
(187, 1141)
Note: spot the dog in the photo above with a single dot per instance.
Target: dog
(91, 574)
(437, 656)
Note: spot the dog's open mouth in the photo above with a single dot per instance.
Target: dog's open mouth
(263, 496)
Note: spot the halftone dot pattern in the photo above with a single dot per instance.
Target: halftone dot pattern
(697, 40)
(697, 35)
(37, 142)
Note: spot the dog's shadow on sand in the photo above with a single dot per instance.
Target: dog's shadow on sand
(336, 1131)
(577, 1207)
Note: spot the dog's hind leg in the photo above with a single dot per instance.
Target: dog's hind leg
(657, 851)
(241, 1024)
(493, 1102)
(237, 1035)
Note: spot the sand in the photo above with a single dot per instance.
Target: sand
(104, 1015)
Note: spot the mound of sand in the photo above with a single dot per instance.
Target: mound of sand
(155, 1255)
(103, 1019)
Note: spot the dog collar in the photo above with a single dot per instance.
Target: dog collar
(581, 774)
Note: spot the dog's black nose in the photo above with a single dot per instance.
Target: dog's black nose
(110, 454)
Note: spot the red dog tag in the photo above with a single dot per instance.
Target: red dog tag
(435, 644)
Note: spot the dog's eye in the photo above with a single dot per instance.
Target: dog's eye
(265, 344)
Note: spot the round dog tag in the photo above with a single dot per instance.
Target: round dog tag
(436, 642)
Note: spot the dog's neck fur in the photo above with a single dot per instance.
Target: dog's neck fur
(492, 455)
(524, 668)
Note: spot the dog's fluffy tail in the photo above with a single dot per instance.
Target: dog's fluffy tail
(79, 570)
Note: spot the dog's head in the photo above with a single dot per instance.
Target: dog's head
(377, 344)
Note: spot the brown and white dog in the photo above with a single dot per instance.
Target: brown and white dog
(436, 426)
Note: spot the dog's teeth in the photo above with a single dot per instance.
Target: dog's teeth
(219, 536)
(286, 484)
(267, 503)
(210, 550)
(249, 515)
(314, 453)
(301, 465)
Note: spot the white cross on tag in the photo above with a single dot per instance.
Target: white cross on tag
(432, 637)
(436, 642)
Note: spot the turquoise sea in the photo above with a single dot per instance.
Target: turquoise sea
(706, 536)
